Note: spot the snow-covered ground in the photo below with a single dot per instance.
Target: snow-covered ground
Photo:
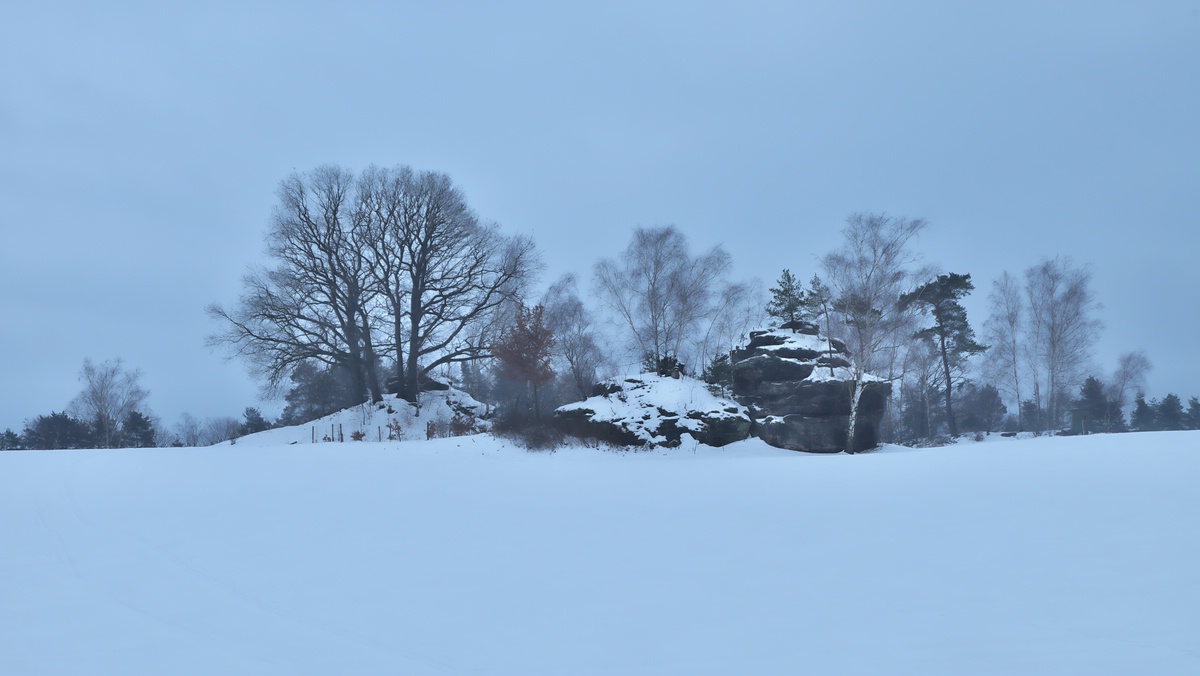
(469, 556)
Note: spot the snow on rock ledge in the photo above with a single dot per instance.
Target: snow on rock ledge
(651, 410)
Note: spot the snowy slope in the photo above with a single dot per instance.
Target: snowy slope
(391, 419)
(467, 556)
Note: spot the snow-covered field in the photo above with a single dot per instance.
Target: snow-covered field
(469, 556)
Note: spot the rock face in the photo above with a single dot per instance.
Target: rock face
(797, 387)
(651, 410)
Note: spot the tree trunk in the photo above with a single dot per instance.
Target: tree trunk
(949, 397)
(1017, 390)
(850, 436)
(372, 369)
(398, 330)
(412, 375)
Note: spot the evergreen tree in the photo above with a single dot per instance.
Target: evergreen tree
(316, 391)
(719, 373)
(1101, 407)
(10, 441)
(253, 422)
(57, 431)
(1030, 411)
(1193, 414)
(787, 300)
(982, 409)
(1143, 417)
(1093, 403)
(953, 335)
(137, 431)
(1169, 413)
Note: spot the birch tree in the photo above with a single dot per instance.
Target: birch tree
(867, 276)
(659, 292)
(110, 393)
(1003, 330)
(1063, 330)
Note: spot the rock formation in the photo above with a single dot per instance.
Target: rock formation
(792, 388)
(651, 410)
(797, 386)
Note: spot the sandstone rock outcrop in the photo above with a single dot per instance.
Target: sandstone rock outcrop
(797, 386)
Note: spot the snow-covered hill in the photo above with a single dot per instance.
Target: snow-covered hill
(468, 556)
(393, 419)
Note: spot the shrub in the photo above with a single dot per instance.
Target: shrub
(532, 434)
(463, 424)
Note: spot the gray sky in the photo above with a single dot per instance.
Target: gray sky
(141, 144)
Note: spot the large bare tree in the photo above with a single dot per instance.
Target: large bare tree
(314, 304)
(389, 263)
(461, 277)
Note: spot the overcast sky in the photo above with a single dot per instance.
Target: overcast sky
(141, 145)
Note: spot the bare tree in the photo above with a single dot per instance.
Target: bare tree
(923, 378)
(110, 393)
(576, 346)
(392, 262)
(739, 308)
(315, 303)
(1003, 330)
(462, 278)
(1062, 330)
(216, 430)
(188, 430)
(867, 276)
(387, 199)
(1130, 375)
(659, 292)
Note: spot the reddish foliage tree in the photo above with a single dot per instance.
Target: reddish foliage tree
(524, 351)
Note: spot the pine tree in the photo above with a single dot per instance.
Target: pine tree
(254, 422)
(317, 390)
(10, 441)
(57, 431)
(1100, 410)
(787, 300)
(1169, 413)
(1193, 414)
(719, 373)
(953, 335)
(1143, 417)
(137, 431)
(982, 408)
